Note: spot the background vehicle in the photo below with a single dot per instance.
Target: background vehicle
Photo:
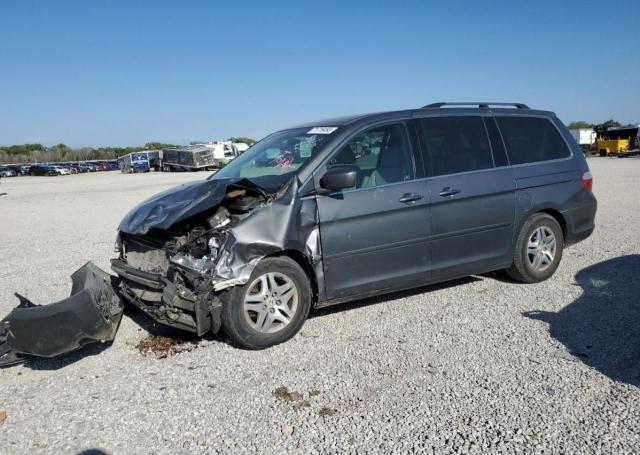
(61, 170)
(224, 150)
(19, 169)
(6, 171)
(134, 162)
(75, 168)
(353, 207)
(42, 169)
(585, 137)
(620, 141)
(189, 158)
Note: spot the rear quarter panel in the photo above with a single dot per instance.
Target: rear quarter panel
(555, 186)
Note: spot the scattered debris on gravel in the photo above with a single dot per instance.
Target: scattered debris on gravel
(302, 404)
(282, 393)
(326, 411)
(3, 416)
(287, 430)
(163, 346)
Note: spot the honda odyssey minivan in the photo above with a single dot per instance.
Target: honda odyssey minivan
(350, 207)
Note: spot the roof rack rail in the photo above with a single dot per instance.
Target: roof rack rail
(479, 104)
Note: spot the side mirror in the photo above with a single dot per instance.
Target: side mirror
(340, 177)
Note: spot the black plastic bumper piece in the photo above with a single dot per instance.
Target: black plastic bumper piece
(91, 314)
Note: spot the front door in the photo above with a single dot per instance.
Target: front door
(375, 236)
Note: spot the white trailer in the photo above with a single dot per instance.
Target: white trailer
(585, 137)
(222, 150)
(241, 146)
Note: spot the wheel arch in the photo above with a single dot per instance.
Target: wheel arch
(305, 264)
(559, 218)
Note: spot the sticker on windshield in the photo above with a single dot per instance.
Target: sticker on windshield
(322, 130)
(306, 147)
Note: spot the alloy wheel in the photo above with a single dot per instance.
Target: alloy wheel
(541, 248)
(271, 302)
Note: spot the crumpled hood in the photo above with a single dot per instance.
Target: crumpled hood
(175, 204)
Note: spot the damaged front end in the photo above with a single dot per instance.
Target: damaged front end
(90, 314)
(179, 251)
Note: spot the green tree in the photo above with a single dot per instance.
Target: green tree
(602, 127)
(21, 149)
(580, 124)
(158, 145)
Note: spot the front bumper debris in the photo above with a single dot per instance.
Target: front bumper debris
(90, 314)
(194, 313)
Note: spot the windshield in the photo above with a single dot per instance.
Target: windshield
(274, 160)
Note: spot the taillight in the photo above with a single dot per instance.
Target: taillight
(586, 180)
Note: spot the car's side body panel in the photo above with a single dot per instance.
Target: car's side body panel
(473, 231)
(371, 240)
(473, 228)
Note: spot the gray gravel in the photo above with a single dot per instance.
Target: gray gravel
(475, 365)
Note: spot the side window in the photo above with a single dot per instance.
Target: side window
(382, 154)
(531, 139)
(456, 144)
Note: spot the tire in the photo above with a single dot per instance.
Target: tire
(523, 269)
(243, 327)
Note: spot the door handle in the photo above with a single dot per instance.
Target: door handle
(448, 191)
(409, 197)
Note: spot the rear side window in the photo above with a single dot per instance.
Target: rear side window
(456, 144)
(531, 139)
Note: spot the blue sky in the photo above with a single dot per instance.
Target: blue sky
(123, 72)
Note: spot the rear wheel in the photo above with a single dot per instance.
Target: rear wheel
(538, 249)
(271, 307)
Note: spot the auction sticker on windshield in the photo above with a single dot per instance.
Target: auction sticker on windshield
(322, 130)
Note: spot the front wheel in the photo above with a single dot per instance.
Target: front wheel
(538, 249)
(270, 308)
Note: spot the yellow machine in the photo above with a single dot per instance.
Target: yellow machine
(622, 141)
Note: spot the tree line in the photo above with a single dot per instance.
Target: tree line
(598, 127)
(38, 153)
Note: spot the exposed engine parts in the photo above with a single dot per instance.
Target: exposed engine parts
(184, 258)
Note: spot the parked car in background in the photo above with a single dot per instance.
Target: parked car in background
(42, 169)
(19, 169)
(6, 171)
(61, 170)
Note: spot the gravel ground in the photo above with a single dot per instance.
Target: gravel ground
(475, 365)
